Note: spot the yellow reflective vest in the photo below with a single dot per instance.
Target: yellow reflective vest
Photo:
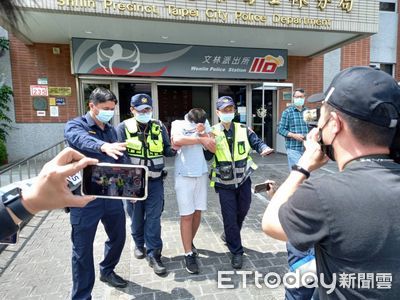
(149, 152)
(231, 169)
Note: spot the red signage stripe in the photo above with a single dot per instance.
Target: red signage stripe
(254, 64)
(260, 65)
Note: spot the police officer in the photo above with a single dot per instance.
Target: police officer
(147, 144)
(94, 137)
(231, 171)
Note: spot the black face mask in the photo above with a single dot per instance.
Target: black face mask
(327, 149)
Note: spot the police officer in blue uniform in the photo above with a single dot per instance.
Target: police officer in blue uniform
(230, 173)
(94, 137)
(147, 144)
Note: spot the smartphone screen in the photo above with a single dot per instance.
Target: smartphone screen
(115, 181)
(12, 239)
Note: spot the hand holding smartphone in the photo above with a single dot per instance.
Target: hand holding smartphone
(261, 187)
(115, 181)
(267, 186)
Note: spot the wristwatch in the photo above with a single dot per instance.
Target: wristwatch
(13, 200)
(301, 170)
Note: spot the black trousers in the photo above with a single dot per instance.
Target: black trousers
(234, 207)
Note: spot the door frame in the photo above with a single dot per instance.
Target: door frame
(277, 140)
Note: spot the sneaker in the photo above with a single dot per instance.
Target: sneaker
(139, 252)
(195, 251)
(191, 264)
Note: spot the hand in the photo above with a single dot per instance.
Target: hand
(113, 149)
(174, 146)
(208, 143)
(267, 151)
(272, 188)
(313, 158)
(50, 190)
(200, 128)
(297, 136)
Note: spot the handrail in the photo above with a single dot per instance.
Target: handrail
(25, 167)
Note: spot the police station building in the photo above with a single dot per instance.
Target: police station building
(185, 54)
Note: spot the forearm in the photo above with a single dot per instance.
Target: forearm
(271, 224)
(185, 140)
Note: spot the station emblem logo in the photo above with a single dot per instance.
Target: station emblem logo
(116, 58)
(267, 65)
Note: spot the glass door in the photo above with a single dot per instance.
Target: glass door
(262, 113)
(86, 89)
(125, 92)
(238, 94)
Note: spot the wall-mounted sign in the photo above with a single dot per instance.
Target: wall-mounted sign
(100, 57)
(287, 96)
(60, 91)
(39, 103)
(337, 15)
(60, 101)
(41, 113)
(54, 111)
(52, 101)
(39, 90)
(42, 80)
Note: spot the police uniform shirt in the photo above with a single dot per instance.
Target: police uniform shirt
(83, 135)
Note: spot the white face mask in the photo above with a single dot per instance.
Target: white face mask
(298, 101)
(226, 118)
(144, 118)
(105, 116)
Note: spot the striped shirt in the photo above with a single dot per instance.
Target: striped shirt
(292, 121)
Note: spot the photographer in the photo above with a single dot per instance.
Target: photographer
(49, 191)
(351, 217)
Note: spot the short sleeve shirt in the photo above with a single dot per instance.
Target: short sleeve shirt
(353, 220)
(189, 160)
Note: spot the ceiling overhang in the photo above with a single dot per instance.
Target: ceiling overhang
(59, 27)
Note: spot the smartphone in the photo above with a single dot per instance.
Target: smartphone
(262, 187)
(11, 240)
(115, 181)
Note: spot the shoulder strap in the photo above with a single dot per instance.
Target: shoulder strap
(131, 125)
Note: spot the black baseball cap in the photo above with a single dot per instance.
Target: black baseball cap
(364, 93)
(224, 101)
(141, 101)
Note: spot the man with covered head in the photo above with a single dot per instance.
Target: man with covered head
(147, 144)
(350, 217)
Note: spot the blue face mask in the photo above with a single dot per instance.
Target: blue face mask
(105, 116)
(226, 118)
(144, 118)
(298, 101)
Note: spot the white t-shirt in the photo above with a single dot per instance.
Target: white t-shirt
(189, 160)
